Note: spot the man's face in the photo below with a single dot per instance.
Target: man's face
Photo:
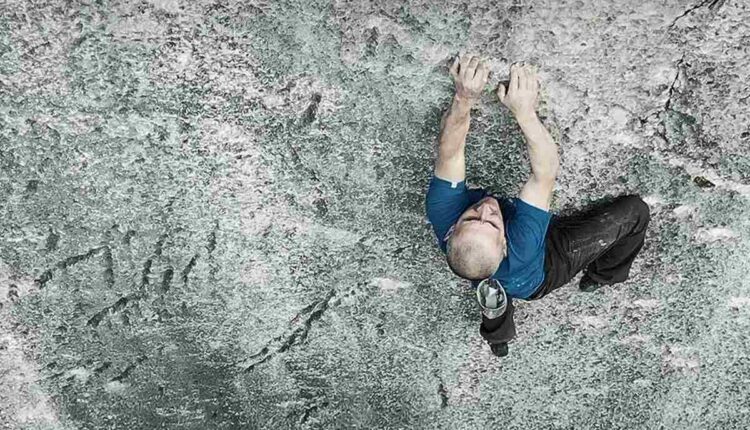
(483, 221)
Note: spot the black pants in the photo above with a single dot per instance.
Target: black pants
(603, 240)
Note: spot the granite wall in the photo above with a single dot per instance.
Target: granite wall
(213, 215)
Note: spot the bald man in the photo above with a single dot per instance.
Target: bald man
(515, 244)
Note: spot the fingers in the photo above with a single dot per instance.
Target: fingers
(500, 92)
(471, 72)
(532, 83)
(513, 78)
(470, 67)
(463, 67)
(454, 69)
(481, 75)
(535, 79)
(523, 77)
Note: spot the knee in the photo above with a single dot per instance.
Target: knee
(639, 207)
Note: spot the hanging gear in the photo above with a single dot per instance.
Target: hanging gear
(491, 297)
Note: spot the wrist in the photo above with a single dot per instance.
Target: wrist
(462, 103)
(528, 117)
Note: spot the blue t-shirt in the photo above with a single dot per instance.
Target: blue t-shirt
(522, 271)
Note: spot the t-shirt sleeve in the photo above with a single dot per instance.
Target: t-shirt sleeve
(527, 229)
(444, 204)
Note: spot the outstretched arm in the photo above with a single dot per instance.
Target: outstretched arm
(470, 77)
(520, 97)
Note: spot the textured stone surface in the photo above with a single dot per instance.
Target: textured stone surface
(213, 215)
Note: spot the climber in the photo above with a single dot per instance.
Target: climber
(516, 242)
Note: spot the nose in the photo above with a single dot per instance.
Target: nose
(485, 212)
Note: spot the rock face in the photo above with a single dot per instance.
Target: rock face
(213, 215)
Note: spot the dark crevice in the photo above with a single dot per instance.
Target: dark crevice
(308, 411)
(150, 261)
(371, 44)
(34, 48)
(42, 280)
(305, 310)
(442, 392)
(160, 245)
(212, 238)
(52, 240)
(13, 293)
(312, 110)
(645, 119)
(187, 269)
(668, 103)
(661, 131)
(127, 237)
(662, 134)
(213, 268)
(263, 351)
(712, 4)
(125, 373)
(258, 362)
(306, 415)
(113, 309)
(70, 261)
(316, 315)
(443, 395)
(299, 163)
(297, 336)
(64, 264)
(168, 207)
(109, 271)
(145, 272)
(166, 280)
(300, 333)
(102, 367)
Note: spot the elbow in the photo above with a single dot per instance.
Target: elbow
(555, 169)
(548, 171)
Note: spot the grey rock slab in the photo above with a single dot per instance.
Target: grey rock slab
(213, 215)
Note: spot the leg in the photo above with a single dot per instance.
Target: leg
(603, 240)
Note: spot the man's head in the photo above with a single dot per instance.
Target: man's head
(476, 245)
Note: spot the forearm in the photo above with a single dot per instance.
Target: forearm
(545, 161)
(454, 127)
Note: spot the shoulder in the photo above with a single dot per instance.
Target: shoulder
(530, 207)
(528, 224)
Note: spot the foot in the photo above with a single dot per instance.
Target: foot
(499, 349)
(588, 285)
